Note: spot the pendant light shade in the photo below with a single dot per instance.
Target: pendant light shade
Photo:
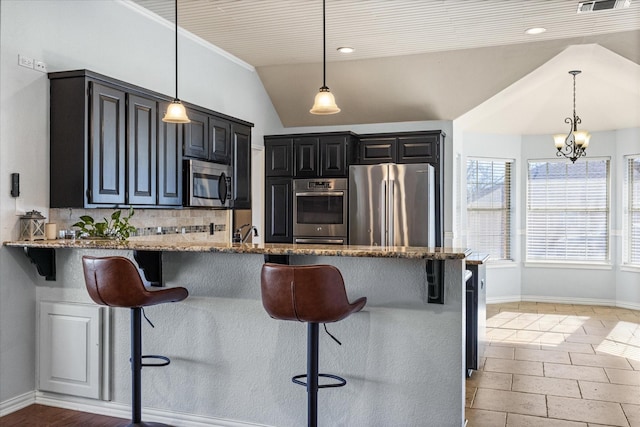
(324, 103)
(176, 113)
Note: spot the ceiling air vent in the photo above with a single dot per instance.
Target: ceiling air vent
(594, 6)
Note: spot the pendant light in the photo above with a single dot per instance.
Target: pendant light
(176, 113)
(324, 102)
(574, 144)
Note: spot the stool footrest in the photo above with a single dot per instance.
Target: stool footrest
(165, 360)
(341, 381)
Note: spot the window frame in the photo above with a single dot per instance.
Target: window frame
(509, 251)
(628, 208)
(571, 263)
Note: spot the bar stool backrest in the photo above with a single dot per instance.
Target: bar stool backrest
(115, 281)
(312, 293)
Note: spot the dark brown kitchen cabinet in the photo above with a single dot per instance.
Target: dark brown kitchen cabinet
(241, 166)
(335, 153)
(409, 147)
(196, 135)
(169, 161)
(377, 150)
(104, 143)
(142, 145)
(220, 140)
(107, 145)
(279, 210)
(278, 156)
(306, 157)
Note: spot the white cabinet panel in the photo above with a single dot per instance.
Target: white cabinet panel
(71, 349)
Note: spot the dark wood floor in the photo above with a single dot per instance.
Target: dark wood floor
(40, 415)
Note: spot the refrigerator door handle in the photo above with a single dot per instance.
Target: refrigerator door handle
(390, 213)
(383, 214)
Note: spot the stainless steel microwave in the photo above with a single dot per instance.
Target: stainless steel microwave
(206, 184)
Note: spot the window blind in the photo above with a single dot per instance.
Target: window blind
(632, 212)
(489, 207)
(568, 210)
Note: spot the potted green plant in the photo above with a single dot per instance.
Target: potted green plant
(117, 228)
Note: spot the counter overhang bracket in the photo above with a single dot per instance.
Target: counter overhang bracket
(45, 261)
(435, 281)
(150, 262)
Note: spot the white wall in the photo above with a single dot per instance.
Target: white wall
(615, 284)
(116, 39)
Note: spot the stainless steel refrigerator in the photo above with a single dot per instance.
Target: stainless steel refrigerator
(392, 205)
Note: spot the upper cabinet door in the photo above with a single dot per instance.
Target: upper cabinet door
(333, 156)
(241, 175)
(278, 157)
(306, 157)
(142, 150)
(169, 161)
(418, 149)
(196, 135)
(377, 150)
(107, 145)
(219, 140)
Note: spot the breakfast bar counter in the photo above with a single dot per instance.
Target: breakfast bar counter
(403, 356)
(178, 243)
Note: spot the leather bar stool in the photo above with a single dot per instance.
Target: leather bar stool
(313, 294)
(115, 282)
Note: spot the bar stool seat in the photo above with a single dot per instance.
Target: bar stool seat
(313, 294)
(115, 282)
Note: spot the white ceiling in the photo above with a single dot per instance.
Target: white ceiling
(431, 60)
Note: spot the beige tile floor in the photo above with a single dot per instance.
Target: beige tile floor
(557, 365)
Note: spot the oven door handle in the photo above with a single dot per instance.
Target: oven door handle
(320, 193)
(320, 241)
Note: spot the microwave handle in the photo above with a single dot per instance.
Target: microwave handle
(224, 188)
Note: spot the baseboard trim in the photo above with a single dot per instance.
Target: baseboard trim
(629, 305)
(502, 300)
(16, 403)
(564, 300)
(569, 300)
(120, 410)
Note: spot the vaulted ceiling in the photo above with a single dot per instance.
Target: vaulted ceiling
(431, 60)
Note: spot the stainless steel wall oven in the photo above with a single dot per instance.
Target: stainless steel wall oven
(320, 211)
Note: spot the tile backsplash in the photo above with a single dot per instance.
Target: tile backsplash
(154, 222)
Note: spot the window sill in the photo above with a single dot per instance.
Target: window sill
(630, 268)
(501, 264)
(569, 265)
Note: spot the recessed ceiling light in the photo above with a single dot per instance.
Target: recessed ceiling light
(346, 49)
(535, 30)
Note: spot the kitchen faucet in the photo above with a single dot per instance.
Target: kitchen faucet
(239, 238)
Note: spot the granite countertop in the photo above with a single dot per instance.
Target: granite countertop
(477, 259)
(181, 244)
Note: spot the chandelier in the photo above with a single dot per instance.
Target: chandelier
(574, 144)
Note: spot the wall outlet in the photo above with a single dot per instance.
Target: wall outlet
(25, 61)
(40, 66)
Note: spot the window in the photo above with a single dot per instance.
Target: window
(489, 207)
(632, 211)
(568, 211)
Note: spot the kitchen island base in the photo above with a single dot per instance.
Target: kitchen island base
(403, 358)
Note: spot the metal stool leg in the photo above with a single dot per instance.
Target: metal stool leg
(136, 365)
(312, 374)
